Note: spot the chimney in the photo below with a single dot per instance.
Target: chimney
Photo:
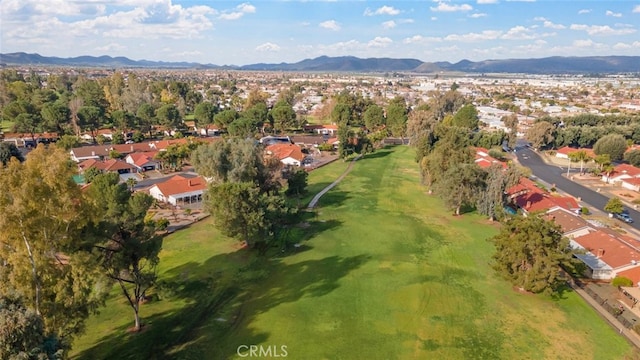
(600, 253)
(528, 205)
(93, 153)
(131, 148)
(189, 182)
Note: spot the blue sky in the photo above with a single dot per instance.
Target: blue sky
(273, 31)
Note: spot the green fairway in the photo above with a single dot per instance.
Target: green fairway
(383, 272)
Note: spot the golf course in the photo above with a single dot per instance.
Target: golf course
(380, 270)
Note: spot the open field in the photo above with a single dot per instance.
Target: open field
(383, 273)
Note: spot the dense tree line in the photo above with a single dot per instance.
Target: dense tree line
(443, 132)
(62, 249)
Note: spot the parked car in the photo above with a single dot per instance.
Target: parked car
(623, 217)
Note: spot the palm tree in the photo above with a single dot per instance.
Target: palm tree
(608, 169)
(581, 156)
(131, 183)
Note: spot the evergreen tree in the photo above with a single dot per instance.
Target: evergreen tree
(529, 253)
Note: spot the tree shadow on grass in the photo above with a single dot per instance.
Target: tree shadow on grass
(333, 198)
(377, 154)
(217, 302)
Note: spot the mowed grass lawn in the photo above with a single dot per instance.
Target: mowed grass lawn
(384, 273)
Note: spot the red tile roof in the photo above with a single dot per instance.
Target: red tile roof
(625, 169)
(142, 158)
(283, 151)
(539, 201)
(568, 150)
(632, 274)
(609, 248)
(179, 185)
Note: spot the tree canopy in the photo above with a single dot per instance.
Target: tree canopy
(529, 253)
(614, 206)
(613, 144)
(46, 257)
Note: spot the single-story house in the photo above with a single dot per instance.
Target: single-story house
(112, 165)
(288, 154)
(606, 254)
(144, 161)
(179, 190)
(563, 152)
(484, 160)
(572, 225)
(621, 172)
(331, 129)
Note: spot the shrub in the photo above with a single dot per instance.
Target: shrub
(584, 210)
(325, 147)
(621, 281)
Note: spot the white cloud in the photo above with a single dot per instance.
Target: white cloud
(389, 24)
(232, 15)
(111, 47)
(477, 15)
(446, 7)
(473, 37)
(487, 2)
(384, 10)
(433, 18)
(268, 47)
(624, 46)
(160, 19)
(330, 24)
(611, 13)
(241, 10)
(550, 25)
(636, 9)
(417, 39)
(588, 43)
(518, 33)
(584, 11)
(379, 42)
(603, 30)
(247, 8)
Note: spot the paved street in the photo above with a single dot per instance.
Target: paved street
(553, 174)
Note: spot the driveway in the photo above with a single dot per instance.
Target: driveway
(553, 174)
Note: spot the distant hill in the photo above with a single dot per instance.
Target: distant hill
(342, 63)
(549, 65)
(21, 58)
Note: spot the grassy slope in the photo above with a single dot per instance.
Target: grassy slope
(385, 273)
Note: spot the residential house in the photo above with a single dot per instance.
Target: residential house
(572, 225)
(563, 152)
(288, 154)
(331, 129)
(484, 160)
(112, 165)
(527, 196)
(623, 172)
(179, 190)
(144, 161)
(606, 253)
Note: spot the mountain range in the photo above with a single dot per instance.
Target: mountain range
(548, 65)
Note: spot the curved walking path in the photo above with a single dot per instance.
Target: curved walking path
(314, 201)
